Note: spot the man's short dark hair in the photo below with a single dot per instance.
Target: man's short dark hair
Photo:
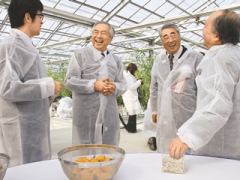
(18, 8)
(227, 26)
(170, 25)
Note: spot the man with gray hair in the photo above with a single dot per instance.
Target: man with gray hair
(95, 77)
(173, 89)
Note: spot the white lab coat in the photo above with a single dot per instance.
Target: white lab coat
(130, 97)
(150, 128)
(24, 83)
(64, 109)
(95, 116)
(173, 94)
(214, 128)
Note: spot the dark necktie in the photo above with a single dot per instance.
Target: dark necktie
(105, 54)
(170, 57)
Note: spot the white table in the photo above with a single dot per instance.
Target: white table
(145, 166)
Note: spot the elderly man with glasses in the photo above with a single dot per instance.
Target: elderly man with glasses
(95, 76)
(173, 89)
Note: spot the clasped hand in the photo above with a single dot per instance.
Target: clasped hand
(105, 86)
(58, 87)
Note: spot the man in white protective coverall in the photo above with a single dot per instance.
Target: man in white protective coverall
(173, 89)
(24, 88)
(95, 76)
(214, 128)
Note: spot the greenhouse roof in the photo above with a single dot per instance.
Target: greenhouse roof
(67, 23)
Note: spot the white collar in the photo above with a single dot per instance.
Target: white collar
(178, 53)
(97, 54)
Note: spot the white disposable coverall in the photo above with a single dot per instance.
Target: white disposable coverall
(10, 137)
(64, 109)
(214, 128)
(130, 97)
(149, 126)
(173, 94)
(95, 116)
(24, 83)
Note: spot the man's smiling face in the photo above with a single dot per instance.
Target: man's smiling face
(101, 37)
(171, 40)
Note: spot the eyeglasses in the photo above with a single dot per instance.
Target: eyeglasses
(167, 37)
(96, 32)
(41, 15)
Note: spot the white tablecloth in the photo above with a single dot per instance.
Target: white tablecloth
(145, 166)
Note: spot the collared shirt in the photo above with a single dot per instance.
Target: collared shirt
(98, 54)
(176, 55)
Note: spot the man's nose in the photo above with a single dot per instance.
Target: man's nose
(99, 34)
(171, 39)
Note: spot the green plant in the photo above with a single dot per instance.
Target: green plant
(144, 63)
(120, 101)
(58, 72)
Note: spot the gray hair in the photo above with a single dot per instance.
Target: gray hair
(111, 29)
(169, 25)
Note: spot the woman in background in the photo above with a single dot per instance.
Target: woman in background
(130, 97)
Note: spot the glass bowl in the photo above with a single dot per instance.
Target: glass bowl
(91, 161)
(4, 162)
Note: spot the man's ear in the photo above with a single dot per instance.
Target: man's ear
(217, 39)
(27, 18)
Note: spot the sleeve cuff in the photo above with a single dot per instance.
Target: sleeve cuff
(187, 140)
(139, 82)
(91, 85)
(47, 87)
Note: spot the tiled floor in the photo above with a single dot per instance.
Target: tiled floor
(61, 132)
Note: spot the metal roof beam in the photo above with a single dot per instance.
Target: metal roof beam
(136, 39)
(116, 10)
(179, 18)
(193, 42)
(52, 33)
(63, 15)
(154, 23)
(152, 12)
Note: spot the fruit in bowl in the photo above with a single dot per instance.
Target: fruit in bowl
(91, 161)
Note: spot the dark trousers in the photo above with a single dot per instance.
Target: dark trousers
(132, 125)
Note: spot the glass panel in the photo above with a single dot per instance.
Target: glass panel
(66, 5)
(86, 11)
(151, 18)
(128, 10)
(111, 5)
(154, 4)
(49, 3)
(116, 21)
(3, 13)
(141, 3)
(50, 24)
(99, 16)
(140, 15)
(95, 3)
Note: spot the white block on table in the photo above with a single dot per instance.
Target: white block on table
(172, 165)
